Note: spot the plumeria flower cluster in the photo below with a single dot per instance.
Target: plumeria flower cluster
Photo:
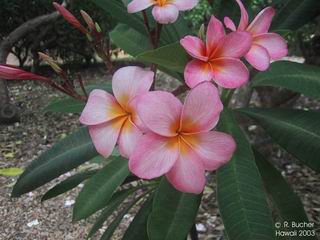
(159, 134)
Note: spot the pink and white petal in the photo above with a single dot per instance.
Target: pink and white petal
(160, 111)
(104, 136)
(214, 148)
(201, 109)
(153, 156)
(139, 5)
(101, 107)
(136, 120)
(128, 138)
(129, 82)
(258, 57)
(184, 5)
(234, 45)
(229, 24)
(197, 72)
(230, 72)
(195, 47)
(166, 14)
(215, 32)
(244, 20)
(262, 21)
(188, 173)
(275, 44)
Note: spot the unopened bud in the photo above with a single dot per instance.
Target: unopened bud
(86, 17)
(201, 33)
(13, 73)
(98, 28)
(51, 62)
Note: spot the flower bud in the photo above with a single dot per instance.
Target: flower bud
(86, 17)
(13, 73)
(51, 62)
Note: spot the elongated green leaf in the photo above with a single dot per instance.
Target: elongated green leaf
(173, 213)
(296, 131)
(114, 202)
(10, 172)
(296, 13)
(67, 185)
(297, 77)
(67, 154)
(287, 203)
(138, 227)
(241, 197)
(100, 188)
(222, 8)
(172, 57)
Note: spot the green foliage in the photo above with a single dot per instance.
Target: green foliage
(241, 196)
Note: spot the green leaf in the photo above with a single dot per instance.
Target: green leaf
(67, 185)
(172, 33)
(287, 203)
(296, 13)
(173, 213)
(114, 224)
(297, 77)
(10, 172)
(241, 196)
(114, 202)
(296, 131)
(64, 156)
(172, 57)
(100, 188)
(138, 227)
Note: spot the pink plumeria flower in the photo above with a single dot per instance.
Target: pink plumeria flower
(218, 58)
(179, 142)
(113, 119)
(164, 11)
(266, 46)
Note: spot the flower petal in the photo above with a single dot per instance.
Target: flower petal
(276, 46)
(129, 82)
(230, 72)
(184, 5)
(262, 21)
(244, 20)
(234, 45)
(153, 156)
(195, 47)
(128, 138)
(104, 136)
(160, 112)
(215, 32)
(229, 24)
(101, 107)
(196, 72)
(187, 174)
(258, 57)
(201, 109)
(166, 14)
(214, 148)
(139, 5)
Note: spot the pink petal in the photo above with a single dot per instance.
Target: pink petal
(160, 112)
(195, 47)
(129, 82)
(136, 120)
(258, 57)
(214, 148)
(201, 109)
(196, 72)
(230, 72)
(166, 14)
(276, 46)
(215, 32)
(104, 136)
(188, 174)
(262, 21)
(244, 20)
(101, 107)
(139, 5)
(128, 138)
(153, 156)
(234, 45)
(184, 5)
(229, 24)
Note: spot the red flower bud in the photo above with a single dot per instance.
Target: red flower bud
(88, 20)
(69, 17)
(14, 73)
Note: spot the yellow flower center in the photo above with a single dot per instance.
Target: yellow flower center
(162, 3)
